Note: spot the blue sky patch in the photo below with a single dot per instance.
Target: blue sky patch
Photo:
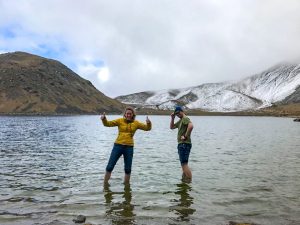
(7, 32)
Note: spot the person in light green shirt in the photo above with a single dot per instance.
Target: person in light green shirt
(185, 127)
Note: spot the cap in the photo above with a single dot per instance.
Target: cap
(178, 109)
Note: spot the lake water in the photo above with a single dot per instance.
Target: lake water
(245, 169)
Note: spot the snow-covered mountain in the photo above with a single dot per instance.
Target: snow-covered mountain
(277, 84)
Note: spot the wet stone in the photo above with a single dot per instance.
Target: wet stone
(240, 223)
(79, 219)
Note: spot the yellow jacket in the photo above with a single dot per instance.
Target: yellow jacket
(126, 129)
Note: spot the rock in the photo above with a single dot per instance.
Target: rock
(79, 219)
(297, 120)
(55, 222)
(237, 223)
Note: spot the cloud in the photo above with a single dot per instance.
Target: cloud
(103, 74)
(152, 45)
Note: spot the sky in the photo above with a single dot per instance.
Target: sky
(125, 47)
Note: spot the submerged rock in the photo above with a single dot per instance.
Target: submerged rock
(238, 223)
(79, 219)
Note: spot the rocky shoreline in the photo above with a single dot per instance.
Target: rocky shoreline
(80, 219)
(290, 111)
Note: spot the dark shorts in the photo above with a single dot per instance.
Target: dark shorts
(184, 150)
(117, 151)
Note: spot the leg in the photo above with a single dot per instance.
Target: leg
(114, 157)
(184, 153)
(128, 155)
(187, 174)
(126, 178)
(107, 177)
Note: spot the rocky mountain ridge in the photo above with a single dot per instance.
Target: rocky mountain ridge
(277, 85)
(30, 84)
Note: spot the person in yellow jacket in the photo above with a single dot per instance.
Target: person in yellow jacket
(124, 143)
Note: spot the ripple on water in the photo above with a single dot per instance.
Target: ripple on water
(244, 169)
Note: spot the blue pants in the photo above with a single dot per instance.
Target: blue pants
(184, 150)
(117, 151)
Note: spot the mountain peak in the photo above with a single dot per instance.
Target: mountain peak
(33, 84)
(273, 85)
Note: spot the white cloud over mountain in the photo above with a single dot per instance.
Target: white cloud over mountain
(155, 44)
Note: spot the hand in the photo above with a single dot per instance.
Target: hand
(173, 116)
(103, 116)
(147, 120)
(183, 138)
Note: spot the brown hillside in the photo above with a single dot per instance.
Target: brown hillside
(30, 84)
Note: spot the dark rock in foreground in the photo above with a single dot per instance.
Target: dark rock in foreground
(238, 223)
(79, 219)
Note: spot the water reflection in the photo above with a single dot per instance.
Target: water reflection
(184, 202)
(121, 213)
(50, 164)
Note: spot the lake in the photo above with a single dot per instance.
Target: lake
(245, 169)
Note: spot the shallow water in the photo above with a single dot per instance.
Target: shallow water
(245, 169)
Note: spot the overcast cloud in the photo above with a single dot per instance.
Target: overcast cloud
(124, 47)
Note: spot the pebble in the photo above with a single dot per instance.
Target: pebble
(79, 219)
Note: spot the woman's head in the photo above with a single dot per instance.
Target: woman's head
(129, 114)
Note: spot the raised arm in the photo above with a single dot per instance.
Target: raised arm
(172, 124)
(103, 116)
(148, 122)
(107, 123)
(146, 126)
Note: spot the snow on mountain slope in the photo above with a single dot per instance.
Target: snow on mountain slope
(225, 101)
(272, 85)
(260, 90)
(137, 98)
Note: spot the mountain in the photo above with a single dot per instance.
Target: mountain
(279, 84)
(293, 98)
(32, 84)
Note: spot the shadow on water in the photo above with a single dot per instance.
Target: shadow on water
(120, 213)
(183, 203)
